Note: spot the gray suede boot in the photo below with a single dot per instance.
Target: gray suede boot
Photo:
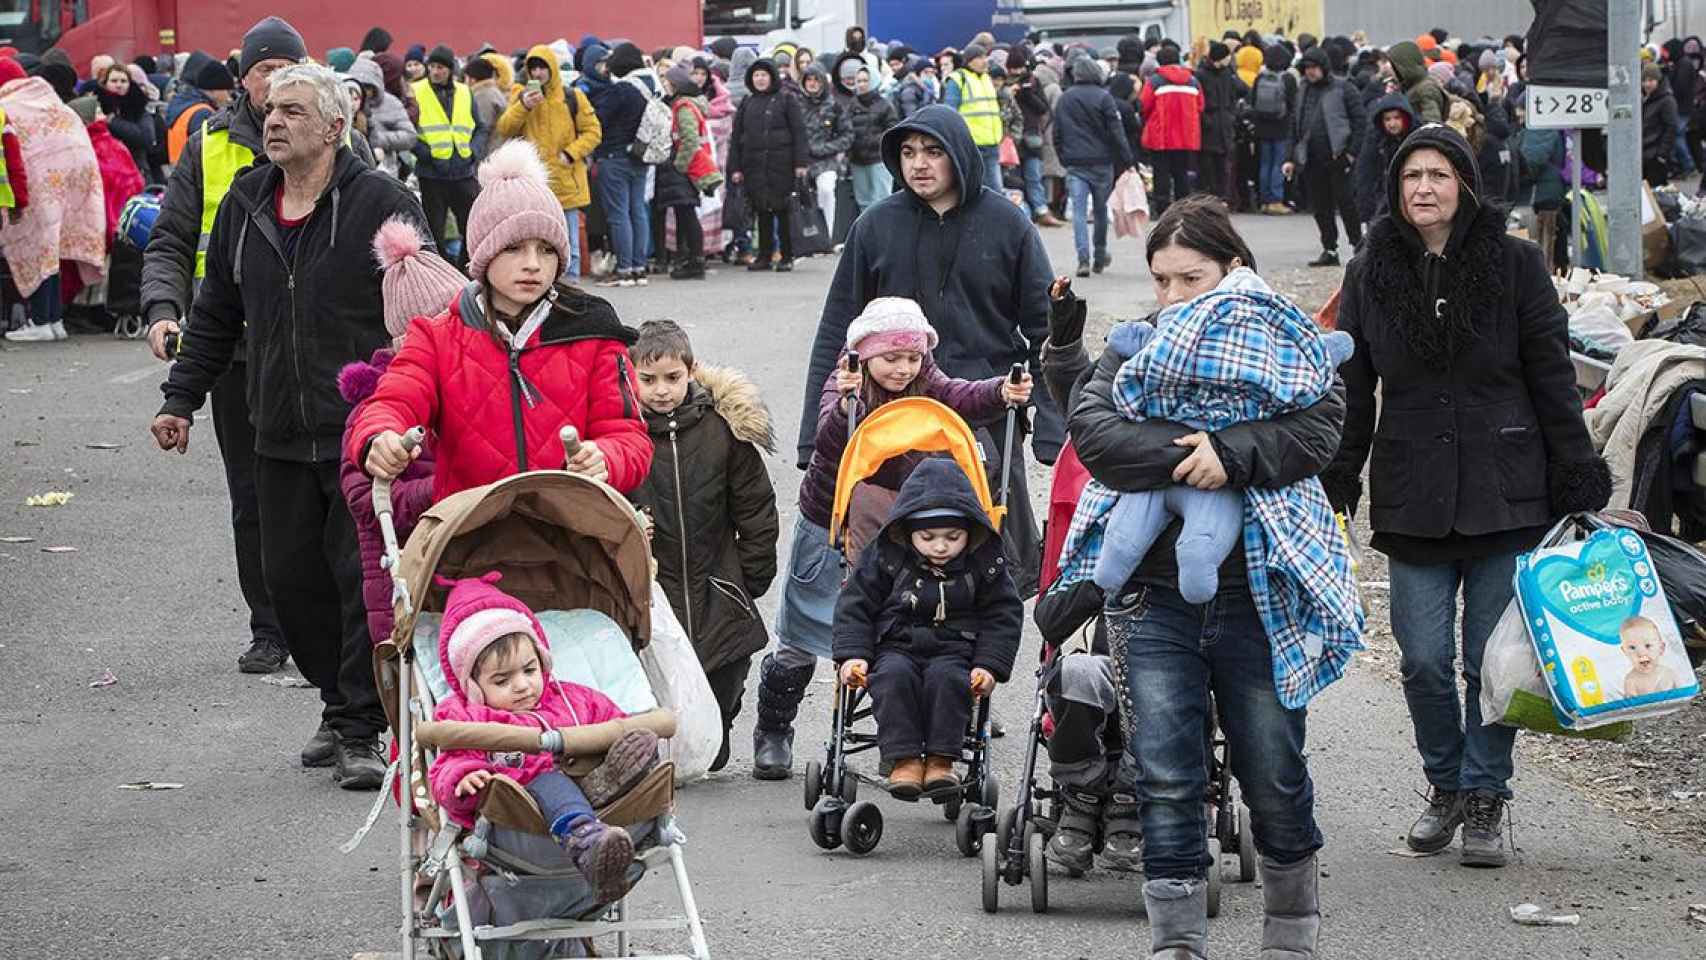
(1291, 909)
(1178, 919)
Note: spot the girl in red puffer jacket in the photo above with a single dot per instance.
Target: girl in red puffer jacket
(518, 355)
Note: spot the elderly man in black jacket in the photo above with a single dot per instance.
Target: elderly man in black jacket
(172, 269)
(1328, 135)
(1092, 144)
(290, 262)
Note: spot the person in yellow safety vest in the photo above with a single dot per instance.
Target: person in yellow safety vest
(14, 186)
(970, 91)
(444, 153)
(172, 268)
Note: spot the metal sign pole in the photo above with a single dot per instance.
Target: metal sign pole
(1576, 204)
(1623, 138)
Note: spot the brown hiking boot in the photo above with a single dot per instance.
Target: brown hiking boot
(939, 774)
(1048, 219)
(906, 780)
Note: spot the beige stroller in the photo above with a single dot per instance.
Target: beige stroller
(504, 889)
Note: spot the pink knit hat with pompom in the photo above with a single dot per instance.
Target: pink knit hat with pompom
(476, 615)
(418, 282)
(515, 204)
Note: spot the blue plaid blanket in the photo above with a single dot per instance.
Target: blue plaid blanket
(1243, 352)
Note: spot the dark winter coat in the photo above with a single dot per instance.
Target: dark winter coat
(872, 114)
(1378, 149)
(1142, 456)
(910, 95)
(305, 317)
(1222, 90)
(168, 265)
(768, 142)
(979, 271)
(132, 125)
(976, 401)
(1498, 173)
(1124, 87)
(710, 497)
(1479, 443)
(829, 130)
(620, 106)
(1277, 63)
(1658, 125)
(1330, 116)
(1427, 97)
(895, 596)
(1087, 127)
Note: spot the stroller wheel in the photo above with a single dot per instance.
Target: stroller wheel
(1004, 828)
(991, 876)
(849, 787)
(968, 833)
(825, 826)
(1039, 873)
(814, 783)
(862, 827)
(1246, 848)
(1214, 876)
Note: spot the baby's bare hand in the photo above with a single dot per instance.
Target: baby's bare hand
(473, 783)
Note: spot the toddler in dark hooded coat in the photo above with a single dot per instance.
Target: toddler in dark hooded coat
(929, 616)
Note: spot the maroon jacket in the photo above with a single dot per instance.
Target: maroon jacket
(411, 495)
(976, 401)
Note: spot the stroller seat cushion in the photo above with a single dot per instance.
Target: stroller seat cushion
(587, 647)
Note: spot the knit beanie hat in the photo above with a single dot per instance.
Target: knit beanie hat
(442, 54)
(680, 77)
(86, 107)
(416, 53)
(972, 52)
(888, 324)
(1652, 71)
(271, 39)
(213, 76)
(418, 282)
(10, 70)
(1442, 72)
(476, 615)
(515, 204)
(625, 59)
(1487, 61)
(1218, 51)
(339, 59)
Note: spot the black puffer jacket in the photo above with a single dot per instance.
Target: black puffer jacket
(1087, 127)
(895, 596)
(768, 143)
(1222, 91)
(872, 115)
(829, 130)
(1378, 149)
(1479, 443)
(710, 496)
(306, 316)
(132, 125)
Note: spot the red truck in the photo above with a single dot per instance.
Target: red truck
(126, 28)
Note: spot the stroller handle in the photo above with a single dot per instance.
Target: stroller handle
(393, 556)
(571, 441)
(1015, 376)
(412, 439)
(589, 740)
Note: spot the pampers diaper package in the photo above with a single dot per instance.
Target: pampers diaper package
(1608, 645)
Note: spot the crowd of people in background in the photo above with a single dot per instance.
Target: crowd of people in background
(767, 155)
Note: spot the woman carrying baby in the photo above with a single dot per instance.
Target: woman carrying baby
(1479, 446)
(1258, 645)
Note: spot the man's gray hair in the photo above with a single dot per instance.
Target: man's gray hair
(330, 97)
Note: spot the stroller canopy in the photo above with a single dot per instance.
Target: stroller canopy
(909, 425)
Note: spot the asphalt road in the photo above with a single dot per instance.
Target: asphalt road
(243, 860)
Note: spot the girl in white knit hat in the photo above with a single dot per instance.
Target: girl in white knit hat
(892, 340)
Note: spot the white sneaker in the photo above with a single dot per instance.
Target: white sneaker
(37, 333)
(640, 279)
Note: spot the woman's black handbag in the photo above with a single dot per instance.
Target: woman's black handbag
(808, 224)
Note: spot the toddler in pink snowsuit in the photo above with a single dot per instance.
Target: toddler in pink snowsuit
(498, 665)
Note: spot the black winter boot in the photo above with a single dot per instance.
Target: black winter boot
(1073, 845)
(780, 690)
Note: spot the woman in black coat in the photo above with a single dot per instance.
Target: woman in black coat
(126, 108)
(1478, 449)
(1173, 652)
(767, 157)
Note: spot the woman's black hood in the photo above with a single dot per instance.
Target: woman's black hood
(765, 65)
(1276, 57)
(1437, 136)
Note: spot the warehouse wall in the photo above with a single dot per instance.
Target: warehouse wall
(1388, 21)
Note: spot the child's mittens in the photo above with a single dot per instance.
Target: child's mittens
(1126, 339)
(1066, 315)
(1339, 346)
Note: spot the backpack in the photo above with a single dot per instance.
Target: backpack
(1268, 99)
(654, 140)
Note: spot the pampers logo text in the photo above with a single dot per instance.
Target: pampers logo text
(1596, 594)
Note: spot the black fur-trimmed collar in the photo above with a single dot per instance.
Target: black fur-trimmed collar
(1470, 284)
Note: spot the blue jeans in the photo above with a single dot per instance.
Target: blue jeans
(992, 167)
(1082, 185)
(1458, 753)
(1270, 181)
(1173, 655)
(560, 800)
(1031, 165)
(871, 182)
(572, 269)
(1680, 156)
(622, 192)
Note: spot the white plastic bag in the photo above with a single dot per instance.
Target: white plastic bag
(679, 682)
(1514, 693)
